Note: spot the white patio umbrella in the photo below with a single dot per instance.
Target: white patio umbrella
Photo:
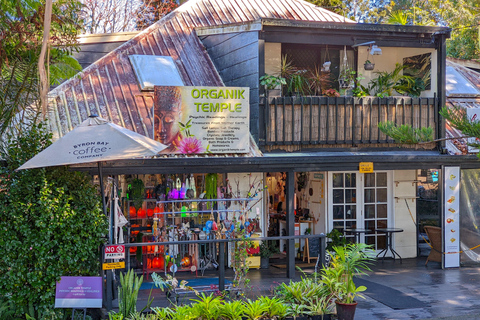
(95, 140)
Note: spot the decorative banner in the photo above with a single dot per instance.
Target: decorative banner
(474, 115)
(115, 252)
(452, 217)
(79, 292)
(193, 120)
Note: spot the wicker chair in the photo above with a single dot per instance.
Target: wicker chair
(435, 237)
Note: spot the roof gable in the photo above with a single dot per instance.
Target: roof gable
(109, 87)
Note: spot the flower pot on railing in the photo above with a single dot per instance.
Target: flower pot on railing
(369, 66)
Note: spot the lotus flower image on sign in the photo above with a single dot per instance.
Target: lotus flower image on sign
(195, 120)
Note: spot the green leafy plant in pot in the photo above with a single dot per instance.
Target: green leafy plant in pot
(345, 263)
(267, 249)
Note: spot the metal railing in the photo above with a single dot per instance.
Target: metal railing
(341, 121)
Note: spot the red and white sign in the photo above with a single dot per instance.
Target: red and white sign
(115, 252)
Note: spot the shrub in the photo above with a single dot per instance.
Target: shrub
(51, 224)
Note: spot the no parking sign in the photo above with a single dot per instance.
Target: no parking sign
(115, 252)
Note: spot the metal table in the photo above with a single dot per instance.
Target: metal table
(357, 232)
(389, 232)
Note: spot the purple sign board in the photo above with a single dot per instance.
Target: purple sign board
(79, 292)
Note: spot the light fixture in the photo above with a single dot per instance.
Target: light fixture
(375, 50)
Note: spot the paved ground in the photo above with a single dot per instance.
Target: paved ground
(447, 294)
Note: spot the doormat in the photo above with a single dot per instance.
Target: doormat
(390, 297)
(195, 282)
(301, 265)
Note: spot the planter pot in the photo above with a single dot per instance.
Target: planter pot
(369, 66)
(346, 311)
(321, 317)
(264, 263)
(274, 92)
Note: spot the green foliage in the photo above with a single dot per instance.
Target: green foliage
(21, 25)
(274, 308)
(137, 193)
(271, 81)
(207, 307)
(336, 239)
(232, 310)
(267, 249)
(458, 118)
(51, 221)
(254, 309)
(345, 262)
(405, 133)
(128, 293)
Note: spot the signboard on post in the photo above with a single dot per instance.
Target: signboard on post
(79, 292)
(452, 217)
(196, 120)
(115, 252)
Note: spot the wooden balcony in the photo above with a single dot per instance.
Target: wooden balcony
(294, 123)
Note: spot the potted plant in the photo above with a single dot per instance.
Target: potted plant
(321, 308)
(273, 84)
(267, 249)
(346, 262)
(368, 65)
(297, 312)
(346, 78)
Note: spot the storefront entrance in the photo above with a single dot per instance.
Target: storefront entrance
(362, 201)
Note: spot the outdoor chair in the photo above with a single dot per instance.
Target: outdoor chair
(435, 237)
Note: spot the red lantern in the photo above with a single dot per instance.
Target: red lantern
(158, 263)
(141, 214)
(149, 263)
(133, 249)
(133, 212)
(150, 212)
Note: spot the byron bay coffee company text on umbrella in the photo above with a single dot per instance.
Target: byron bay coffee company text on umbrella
(90, 149)
(202, 119)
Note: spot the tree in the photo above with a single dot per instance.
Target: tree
(21, 36)
(51, 223)
(153, 10)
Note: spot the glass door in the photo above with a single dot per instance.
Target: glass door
(360, 201)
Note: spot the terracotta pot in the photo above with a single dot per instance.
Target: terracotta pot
(346, 311)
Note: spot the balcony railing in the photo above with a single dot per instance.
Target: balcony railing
(342, 122)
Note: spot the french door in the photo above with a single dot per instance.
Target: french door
(360, 201)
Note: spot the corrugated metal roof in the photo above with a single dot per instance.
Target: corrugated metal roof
(109, 87)
(462, 94)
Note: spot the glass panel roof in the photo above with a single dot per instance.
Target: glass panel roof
(458, 84)
(155, 71)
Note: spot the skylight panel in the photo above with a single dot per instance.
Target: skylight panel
(155, 71)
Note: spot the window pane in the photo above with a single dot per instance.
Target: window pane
(370, 239)
(338, 196)
(338, 225)
(382, 211)
(338, 180)
(381, 242)
(382, 195)
(351, 212)
(381, 224)
(382, 179)
(338, 213)
(350, 180)
(369, 179)
(350, 196)
(369, 195)
(350, 224)
(370, 225)
(370, 211)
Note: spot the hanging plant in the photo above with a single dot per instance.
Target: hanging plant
(211, 186)
(137, 192)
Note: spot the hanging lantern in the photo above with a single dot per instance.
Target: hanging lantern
(133, 212)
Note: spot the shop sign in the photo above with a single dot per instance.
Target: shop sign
(474, 115)
(366, 167)
(79, 292)
(195, 120)
(115, 252)
(452, 217)
(113, 265)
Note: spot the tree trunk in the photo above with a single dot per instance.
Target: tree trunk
(42, 72)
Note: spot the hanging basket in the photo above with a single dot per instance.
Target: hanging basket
(369, 66)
